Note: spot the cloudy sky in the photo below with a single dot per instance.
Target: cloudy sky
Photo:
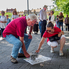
(21, 5)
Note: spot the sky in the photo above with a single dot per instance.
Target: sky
(21, 5)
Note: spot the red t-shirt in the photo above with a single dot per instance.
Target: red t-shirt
(47, 35)
(16, 27)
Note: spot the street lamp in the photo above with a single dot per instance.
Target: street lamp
(28, 6)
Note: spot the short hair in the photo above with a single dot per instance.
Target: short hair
(31, 16)
(6, 15)
(2, 12)
(50, 24)
(45, 6)
(49, 14)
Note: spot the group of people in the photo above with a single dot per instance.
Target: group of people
(5, 20)
(60, 21)
(14, 34)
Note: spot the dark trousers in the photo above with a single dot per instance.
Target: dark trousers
(25, 30)
(2, 29)
(67, 26)
(43, 27)
(35, 28)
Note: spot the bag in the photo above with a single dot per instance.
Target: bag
(54, 38)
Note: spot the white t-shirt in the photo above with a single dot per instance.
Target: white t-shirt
(15, 16)
(52, 19)
(3, 18)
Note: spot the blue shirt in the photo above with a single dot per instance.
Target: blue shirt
(8, 21)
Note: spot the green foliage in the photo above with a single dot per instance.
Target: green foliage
(66, 8)
(62, 6)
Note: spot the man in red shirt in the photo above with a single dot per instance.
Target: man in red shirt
(14, 34)
(54, 35)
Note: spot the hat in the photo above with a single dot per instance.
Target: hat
(45, 6)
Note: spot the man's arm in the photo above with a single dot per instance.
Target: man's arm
(3, 21)
(41, 43)
(23, 47)
(60, 18)
(31, 28)
(41, 15)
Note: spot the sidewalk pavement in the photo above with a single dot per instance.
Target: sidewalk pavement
(55, 63)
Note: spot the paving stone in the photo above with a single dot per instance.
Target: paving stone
(64, 67)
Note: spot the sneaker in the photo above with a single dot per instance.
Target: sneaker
(13, 60)
(52, 50)
(61, 53)
(20, 55)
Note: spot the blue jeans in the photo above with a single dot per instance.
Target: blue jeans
(43, 27)
(40, 26)
(60, 24)
(17, 44)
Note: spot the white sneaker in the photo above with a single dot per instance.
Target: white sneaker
(61, 53)
(52, 50)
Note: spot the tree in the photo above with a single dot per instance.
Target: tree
(66, 8)
(62, 5)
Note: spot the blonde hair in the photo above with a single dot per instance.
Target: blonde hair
(31, 16)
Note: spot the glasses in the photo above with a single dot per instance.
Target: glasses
(48, 30)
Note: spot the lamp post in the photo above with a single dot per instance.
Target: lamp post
(28, 6)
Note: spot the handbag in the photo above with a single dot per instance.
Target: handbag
(54, 38)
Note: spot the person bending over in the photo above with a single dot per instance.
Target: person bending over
(14, 34)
